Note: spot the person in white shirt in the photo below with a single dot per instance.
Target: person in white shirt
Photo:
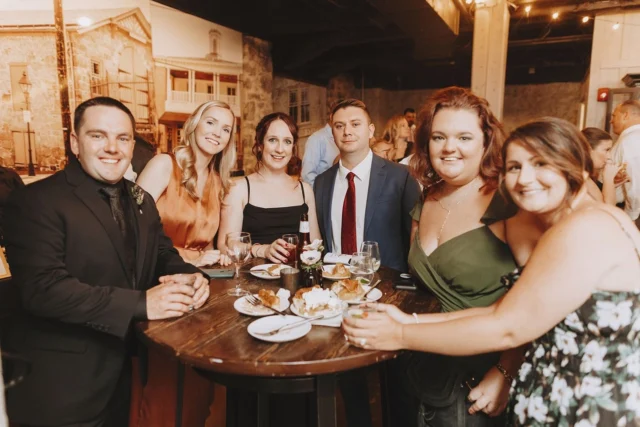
(625, 121)
(319, 154)
(410, 115)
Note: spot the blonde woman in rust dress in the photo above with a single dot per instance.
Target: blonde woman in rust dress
(188, 187)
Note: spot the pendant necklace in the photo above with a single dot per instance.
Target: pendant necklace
(448, 210)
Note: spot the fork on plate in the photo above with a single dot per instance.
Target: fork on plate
(290, 325)
(257, 302)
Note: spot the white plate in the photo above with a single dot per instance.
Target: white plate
(375, 295)
(328, 269)
(270, 323)
(260, 272)
(243, 306)
(328, 314)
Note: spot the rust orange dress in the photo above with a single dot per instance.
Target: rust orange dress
(191, 225)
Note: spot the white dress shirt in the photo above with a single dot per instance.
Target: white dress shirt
(627, 149)
(362, 174)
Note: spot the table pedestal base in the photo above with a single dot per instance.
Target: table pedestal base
(323, 388)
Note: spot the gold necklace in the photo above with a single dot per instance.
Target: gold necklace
(448, 210)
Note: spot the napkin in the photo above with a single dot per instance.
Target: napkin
(334, 258)
(334, 322)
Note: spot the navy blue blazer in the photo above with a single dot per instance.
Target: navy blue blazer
(392, 195)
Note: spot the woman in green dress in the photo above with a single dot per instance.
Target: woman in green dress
(459, 253)
(578, 299)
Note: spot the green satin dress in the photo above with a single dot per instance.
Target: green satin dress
(463, 272)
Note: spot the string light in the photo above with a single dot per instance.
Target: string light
(585, 19)
(555, 15)
(527, 9)
(616, 26)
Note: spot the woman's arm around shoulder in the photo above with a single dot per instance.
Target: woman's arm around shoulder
(231, 213)
(155, 177)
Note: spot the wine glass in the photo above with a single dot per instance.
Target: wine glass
(372, 249)
(292, 247)
(361, 266)
(238, 247)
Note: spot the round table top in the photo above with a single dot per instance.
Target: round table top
(215, 337)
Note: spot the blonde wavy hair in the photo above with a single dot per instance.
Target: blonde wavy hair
(392, 129)
(222, 163)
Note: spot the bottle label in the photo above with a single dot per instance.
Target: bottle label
(304, 226)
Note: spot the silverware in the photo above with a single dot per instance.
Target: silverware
(372, 288)
(290, 325)
(258, 302)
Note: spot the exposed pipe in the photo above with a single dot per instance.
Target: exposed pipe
(551, 40)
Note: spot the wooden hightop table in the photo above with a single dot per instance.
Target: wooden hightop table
(215, 341)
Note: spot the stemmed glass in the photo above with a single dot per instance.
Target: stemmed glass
(238, 247)
(372, 249)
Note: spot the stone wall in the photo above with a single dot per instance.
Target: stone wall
(105, 45)
(38, 51)
(256, 96)
(521, 104)
(340, 87)
(317, 106)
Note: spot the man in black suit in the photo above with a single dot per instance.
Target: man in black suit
(364, 197)
(87, 251)
(361, 198)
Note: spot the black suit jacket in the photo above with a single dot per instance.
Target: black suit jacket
(392, 194)
(66, 255)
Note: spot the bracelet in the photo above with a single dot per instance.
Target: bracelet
(504, 372)
(255, 255)
(415, 316)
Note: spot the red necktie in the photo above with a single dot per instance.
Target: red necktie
(348, 236)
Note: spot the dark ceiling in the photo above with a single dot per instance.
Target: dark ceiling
(403, 44)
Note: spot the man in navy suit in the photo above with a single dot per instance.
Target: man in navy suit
(361, 198)
(364, 197)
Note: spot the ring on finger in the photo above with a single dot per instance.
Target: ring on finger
(362, 342)
(190, 308)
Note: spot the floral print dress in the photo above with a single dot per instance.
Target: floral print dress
(586, 371)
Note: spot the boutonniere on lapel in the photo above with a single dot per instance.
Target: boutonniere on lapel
(138, 195)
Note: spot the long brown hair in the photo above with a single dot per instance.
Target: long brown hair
(457, 98)
(293, 167)
(222, 163)
(559, 143)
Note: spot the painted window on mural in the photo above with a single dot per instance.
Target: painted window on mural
(133, 84)
(299, 105)
(293, 104)
(99, 85)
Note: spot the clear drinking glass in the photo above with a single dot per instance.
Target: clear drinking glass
(372, 249)
(238, 247)
(292, 247)
(361, 266)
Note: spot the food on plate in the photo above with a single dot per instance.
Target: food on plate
(274, 270)
(622, 172)
(269, 298)
(348, 289)
(311, 301)
(339, 270)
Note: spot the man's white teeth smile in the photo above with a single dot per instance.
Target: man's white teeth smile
(110, 161)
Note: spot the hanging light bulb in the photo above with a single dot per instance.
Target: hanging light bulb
(616, 26)
(555, 15)
(527, 9)
(585, 19)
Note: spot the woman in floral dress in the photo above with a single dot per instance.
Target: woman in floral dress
(578, 299)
